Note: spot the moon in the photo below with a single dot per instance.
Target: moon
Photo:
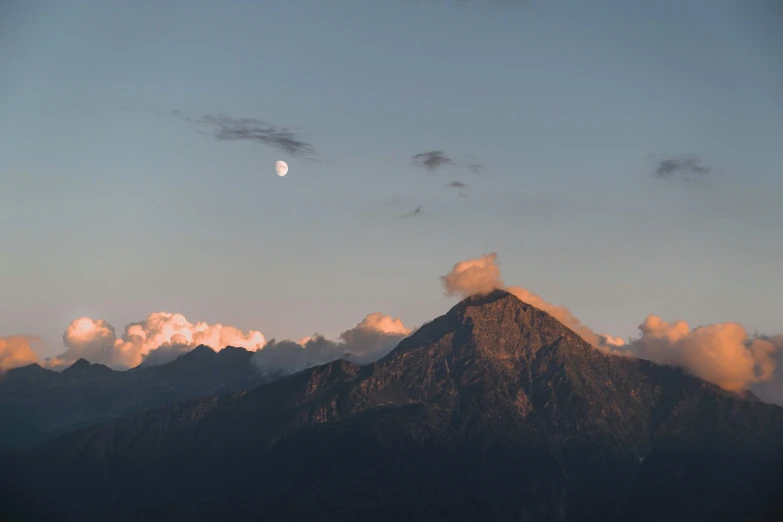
(281, 167)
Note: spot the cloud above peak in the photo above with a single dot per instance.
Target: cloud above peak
(89, 339)
(723, 354)
(16, 351)
(372, 338)
(164, 336)
(473, 276)
(160, 337)
(482, 275)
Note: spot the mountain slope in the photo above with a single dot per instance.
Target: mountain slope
(37, 404)
(492, 411)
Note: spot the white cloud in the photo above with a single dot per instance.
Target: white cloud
(375, 336)
(166, 334)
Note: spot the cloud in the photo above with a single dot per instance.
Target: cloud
(15, 351)
(167, 329)
(564, 315)
(88, 339)
(475, 168)
(57, 363)
(608, 340)
(375, 336)
(473, 276)
(227, 128)
(431, 160)
(164, 336)
(165, 353)
(723, 354)
(772, 389)
(482, 275)
(160, 337)
(687, 167)
(457, 185)
(435, 159)
(413, 213)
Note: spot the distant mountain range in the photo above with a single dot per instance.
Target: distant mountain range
(36, 404)
(494, 411)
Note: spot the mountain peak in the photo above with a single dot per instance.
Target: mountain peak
(232, 351)
(494, 356)
(30, 371)
(495, 325)
(33, 368)
(232, 355)
(486, 298)
(201, 351)
(494, 400)
(79, 365)
(83, 366)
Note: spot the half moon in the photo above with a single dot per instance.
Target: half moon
(281, 167)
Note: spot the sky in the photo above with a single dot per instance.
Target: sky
(622, 158)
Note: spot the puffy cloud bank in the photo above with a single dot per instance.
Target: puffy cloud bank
(482, 275)
(723, 354)
(159, 338)
(164, 336)
(15, 351)
(375, 336)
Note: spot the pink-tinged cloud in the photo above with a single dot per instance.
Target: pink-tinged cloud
(723, 354)
(88, 339)
(166, 334)
(482, 275)
(473, 276)
(375, 336)
(15, 351)
(166, 330)
(562, 314)
(608, 340)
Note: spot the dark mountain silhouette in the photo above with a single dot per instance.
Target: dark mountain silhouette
(494, 411)
(37, 404)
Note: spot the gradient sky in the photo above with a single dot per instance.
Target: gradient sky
(112, 210)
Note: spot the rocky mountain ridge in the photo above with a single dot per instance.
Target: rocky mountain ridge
(37, 404)
(493, 411)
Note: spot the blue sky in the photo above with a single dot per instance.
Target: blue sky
(112, 210)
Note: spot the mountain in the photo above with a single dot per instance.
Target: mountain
(494, 411)
(36, 404)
